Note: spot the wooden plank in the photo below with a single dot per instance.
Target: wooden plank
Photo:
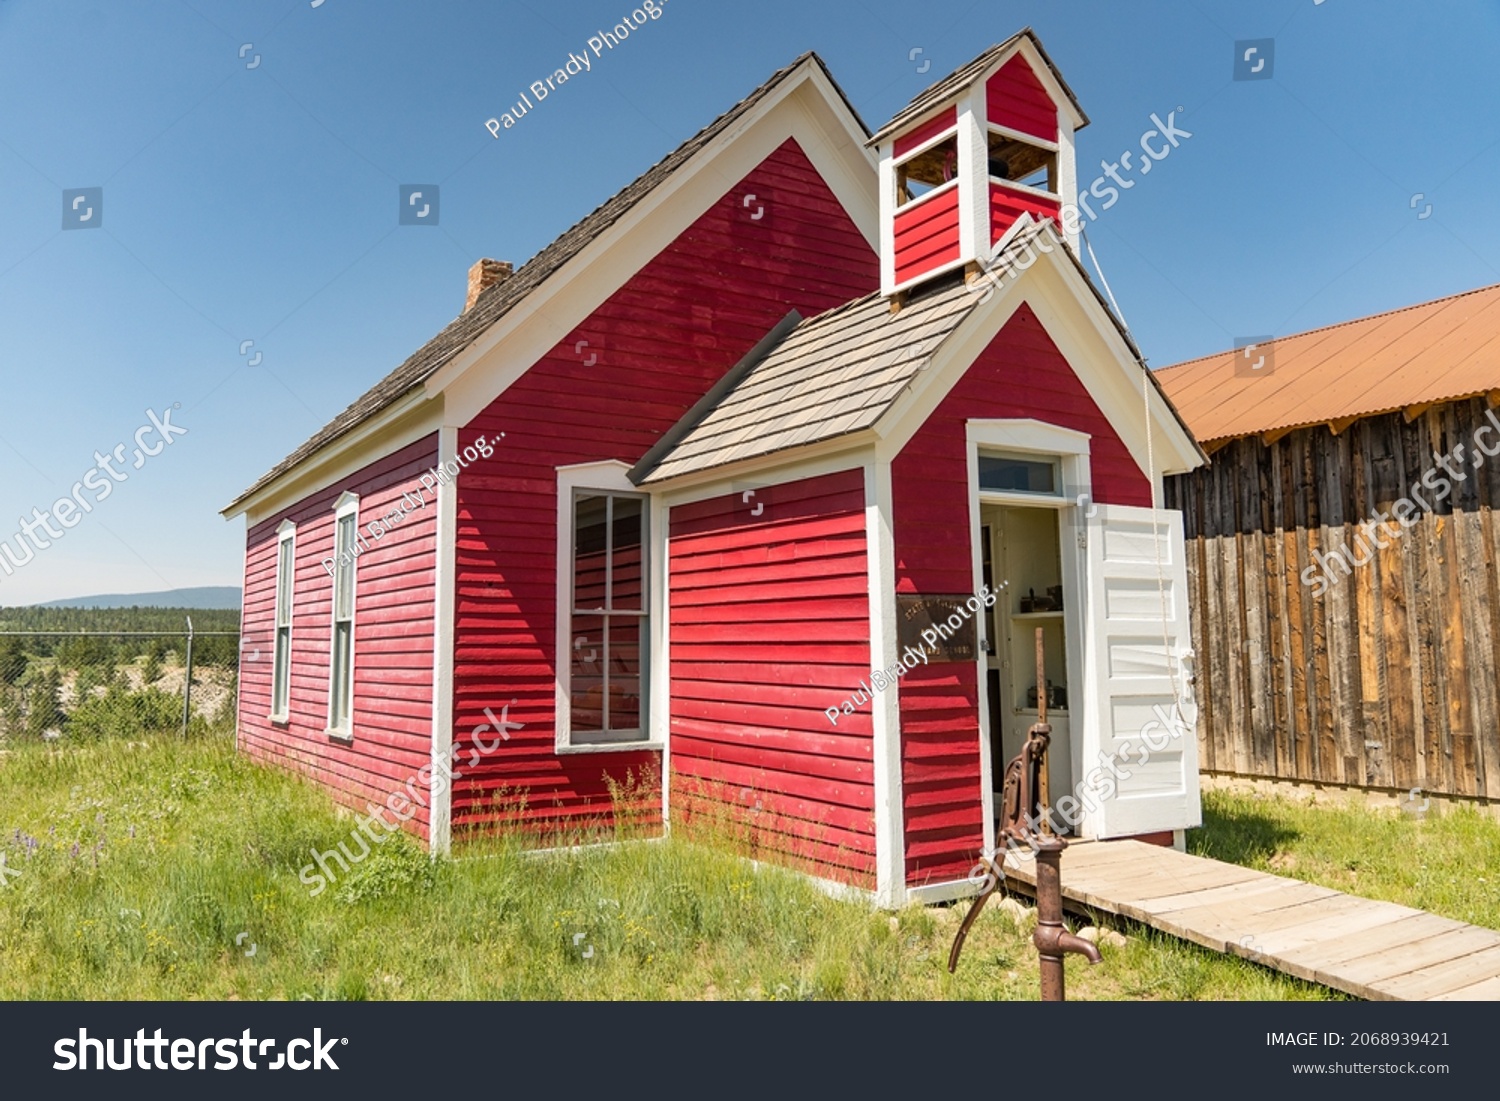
(1324, 930)
(1455, 974)
(1486, 990)
(1303, 726)
(1368, 970)
(1488, 499)
(1450, 581)
(1434, 773)
(1328, 762)
(1213, 660)
(1399, 932)
(1214, 895)
(1279, 608)
(1371, 651)
(1395, 602)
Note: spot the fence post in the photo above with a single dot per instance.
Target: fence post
(187, 681)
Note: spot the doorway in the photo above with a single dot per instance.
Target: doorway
(1021, 561)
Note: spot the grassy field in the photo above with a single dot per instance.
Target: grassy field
(170, 870)
(1447, 862)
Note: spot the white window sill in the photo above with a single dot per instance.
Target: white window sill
(344, 736)
(280, 720)
(606, 747)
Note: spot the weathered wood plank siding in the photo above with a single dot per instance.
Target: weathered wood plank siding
(1324, 656)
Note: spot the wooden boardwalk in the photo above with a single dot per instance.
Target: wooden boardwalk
(1375, 950)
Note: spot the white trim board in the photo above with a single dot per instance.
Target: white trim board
(445, 586)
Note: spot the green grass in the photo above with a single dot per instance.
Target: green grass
(141, 868)
(1446, 862)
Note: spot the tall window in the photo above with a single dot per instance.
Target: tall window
(606, 678)
(281, 663)
(346, 551)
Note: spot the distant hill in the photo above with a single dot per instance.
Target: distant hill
(224, 597)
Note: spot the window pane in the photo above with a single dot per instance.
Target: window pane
(341, 681)
(344, 569)
(284, 584)
(283, 657)
(626, 639)
(625, 564)
(590, 544)
(586, 673)
(1003, 472)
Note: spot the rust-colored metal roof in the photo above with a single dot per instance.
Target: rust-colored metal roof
(1438, 351)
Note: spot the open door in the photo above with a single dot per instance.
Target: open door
(1140, 764)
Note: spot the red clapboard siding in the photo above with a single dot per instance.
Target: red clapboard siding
(1016, 99)
(661, 341)
(939, 123)
(927, 235)
(1007, 205)
(758, 657)
(1020, 374)
(393, 637)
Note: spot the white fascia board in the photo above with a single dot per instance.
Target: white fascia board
(809, 461)
(570, 296)
(401, 425)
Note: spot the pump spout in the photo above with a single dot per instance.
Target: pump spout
(1051, 938)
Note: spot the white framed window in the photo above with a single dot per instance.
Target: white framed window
(346, 551)
(281, 657)
(604, 610)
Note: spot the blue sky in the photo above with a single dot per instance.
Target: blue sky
(251, 151)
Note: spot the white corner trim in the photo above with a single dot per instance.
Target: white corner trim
(440, 809)
(659, 703)
(880, 551)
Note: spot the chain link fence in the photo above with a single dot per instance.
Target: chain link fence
(87, 685)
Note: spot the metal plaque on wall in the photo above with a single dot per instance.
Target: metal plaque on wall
(927, 621)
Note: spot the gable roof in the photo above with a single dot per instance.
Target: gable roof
(500, 299)
(961, 78)
(1442, 350)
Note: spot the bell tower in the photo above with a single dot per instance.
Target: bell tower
(969, 157)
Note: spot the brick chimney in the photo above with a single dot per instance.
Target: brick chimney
(484, 275)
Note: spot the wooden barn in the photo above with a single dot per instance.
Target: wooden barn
(1342, 552)
(757, 482)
